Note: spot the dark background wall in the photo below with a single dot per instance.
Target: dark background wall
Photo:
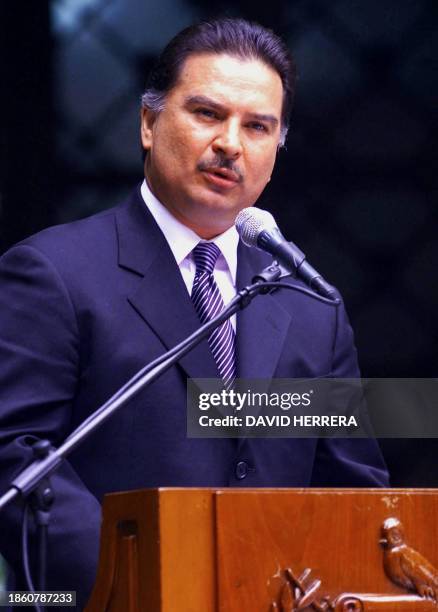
(356, 187)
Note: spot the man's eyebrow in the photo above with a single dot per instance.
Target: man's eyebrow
(202, 101)
(205, 101)
(267, 118)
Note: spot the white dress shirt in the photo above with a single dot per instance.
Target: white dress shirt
(182, 240)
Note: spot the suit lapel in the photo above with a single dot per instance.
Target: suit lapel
(161, 298)
(262, 326)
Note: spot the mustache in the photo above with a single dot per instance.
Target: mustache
(220, 161)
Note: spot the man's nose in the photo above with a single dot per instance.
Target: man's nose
(228, 141)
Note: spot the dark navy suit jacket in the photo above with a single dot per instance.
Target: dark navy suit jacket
(82, 307)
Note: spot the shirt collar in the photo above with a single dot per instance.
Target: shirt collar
(182, 240)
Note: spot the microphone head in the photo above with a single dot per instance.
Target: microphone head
(251, 221)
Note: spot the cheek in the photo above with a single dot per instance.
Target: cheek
(263, 166)
(169, 141)
(168, 155)
(180, 141)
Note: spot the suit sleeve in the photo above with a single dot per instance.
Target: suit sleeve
(347, 462)
(39, 368)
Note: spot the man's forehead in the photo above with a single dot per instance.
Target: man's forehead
(224, 72)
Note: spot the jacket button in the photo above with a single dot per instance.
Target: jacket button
(241, 470)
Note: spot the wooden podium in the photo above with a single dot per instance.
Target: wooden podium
(268, 550)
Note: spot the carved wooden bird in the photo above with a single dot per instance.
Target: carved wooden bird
(404, 565)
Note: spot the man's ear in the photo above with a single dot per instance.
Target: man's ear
(147, 118)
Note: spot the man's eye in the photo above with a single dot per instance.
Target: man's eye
(206, 112)
(258, 127)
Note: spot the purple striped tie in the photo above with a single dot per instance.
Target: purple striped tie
(208, 303)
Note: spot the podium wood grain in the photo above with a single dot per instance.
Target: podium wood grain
(207, 550)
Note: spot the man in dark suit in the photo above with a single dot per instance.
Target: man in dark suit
(84, 306)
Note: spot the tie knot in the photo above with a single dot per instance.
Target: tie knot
(205, 255)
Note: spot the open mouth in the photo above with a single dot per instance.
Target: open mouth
(219, 173)
(222, 177)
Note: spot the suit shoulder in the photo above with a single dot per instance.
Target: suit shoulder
(72, 249)
(73, 235)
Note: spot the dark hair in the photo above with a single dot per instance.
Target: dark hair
(231, 36)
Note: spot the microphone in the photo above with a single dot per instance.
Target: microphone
(257, 228)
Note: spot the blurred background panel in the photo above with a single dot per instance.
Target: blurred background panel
(355, 187)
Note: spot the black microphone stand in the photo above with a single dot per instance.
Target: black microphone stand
(33, 483)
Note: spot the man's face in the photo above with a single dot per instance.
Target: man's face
(212, 149)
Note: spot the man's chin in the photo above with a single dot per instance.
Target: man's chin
(213, 203)
(209, 219)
